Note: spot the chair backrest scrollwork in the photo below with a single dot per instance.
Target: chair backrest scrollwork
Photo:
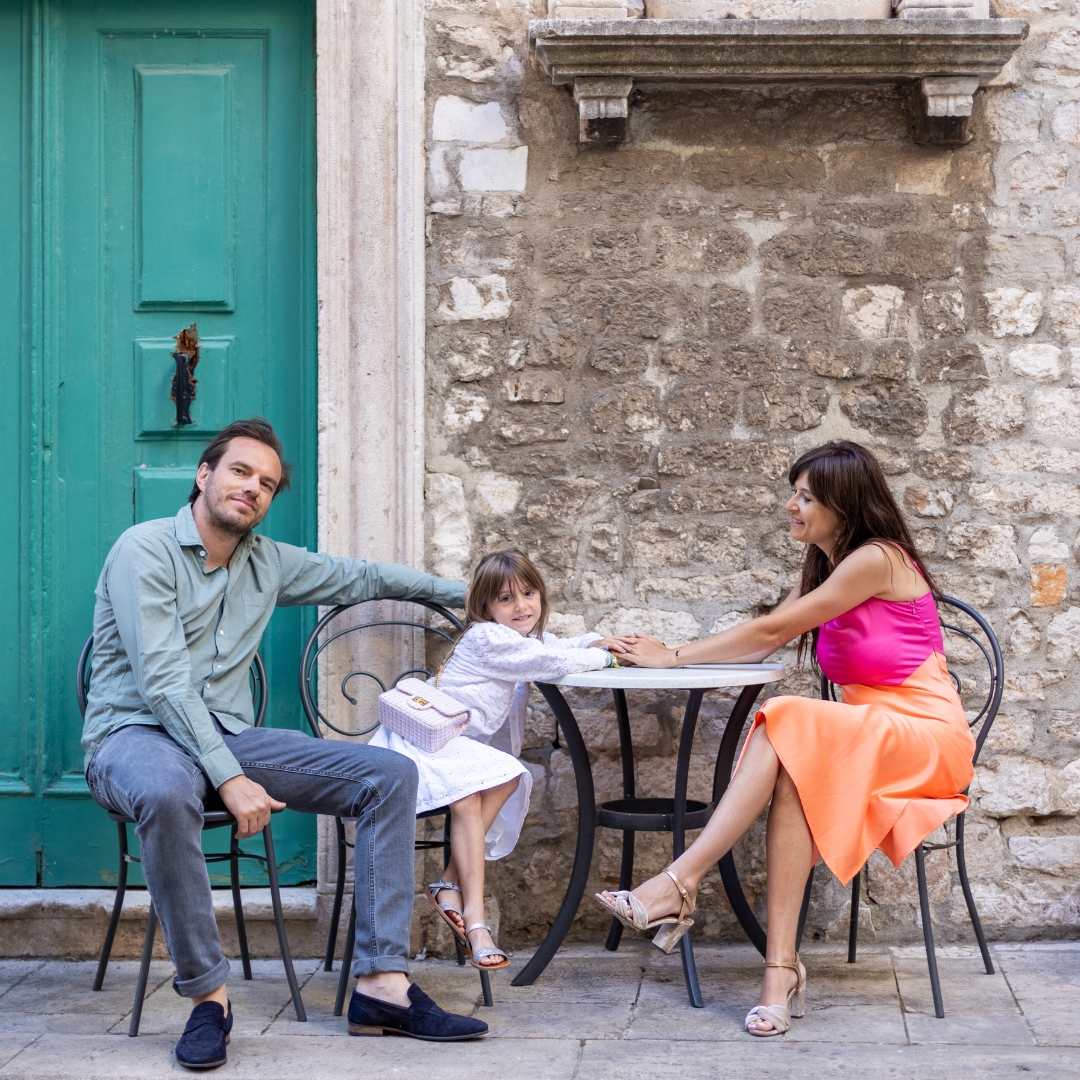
(355, 654)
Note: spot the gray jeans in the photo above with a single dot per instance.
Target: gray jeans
(141, 772)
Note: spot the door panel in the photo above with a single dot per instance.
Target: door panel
(174, 143)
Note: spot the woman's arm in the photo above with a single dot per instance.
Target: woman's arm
(864, 573)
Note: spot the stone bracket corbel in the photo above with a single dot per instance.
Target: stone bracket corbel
(947, 103)
(603, 109)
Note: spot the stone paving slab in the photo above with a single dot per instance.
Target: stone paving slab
(592, 1014)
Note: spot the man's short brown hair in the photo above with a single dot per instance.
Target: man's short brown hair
(256, 428)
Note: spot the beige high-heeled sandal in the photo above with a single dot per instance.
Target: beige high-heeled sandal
(777, 1015)
(630, 911)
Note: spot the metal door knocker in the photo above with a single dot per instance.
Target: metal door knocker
(183, 383)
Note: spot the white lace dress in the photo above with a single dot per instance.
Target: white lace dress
(490, 672)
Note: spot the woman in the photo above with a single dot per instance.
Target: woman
(881, 770)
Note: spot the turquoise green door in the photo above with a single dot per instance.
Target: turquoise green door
(157, 173)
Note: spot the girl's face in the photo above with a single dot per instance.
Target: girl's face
(516, 606)
(811, 522)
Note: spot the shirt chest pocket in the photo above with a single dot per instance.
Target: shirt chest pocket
(257, 609)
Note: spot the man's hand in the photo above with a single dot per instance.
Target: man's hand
(249, 803)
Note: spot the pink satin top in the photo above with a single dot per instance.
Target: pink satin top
(880, 642)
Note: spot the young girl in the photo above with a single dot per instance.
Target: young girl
(502, 650)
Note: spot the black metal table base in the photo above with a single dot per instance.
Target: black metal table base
(632, 815)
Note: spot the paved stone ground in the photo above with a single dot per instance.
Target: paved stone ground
(591, 1016)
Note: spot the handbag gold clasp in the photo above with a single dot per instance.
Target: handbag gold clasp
(418, 700)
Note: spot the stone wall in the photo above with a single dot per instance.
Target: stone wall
(627, 347)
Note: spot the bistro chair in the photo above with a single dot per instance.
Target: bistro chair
(333, 627)
(975, 647)
(212, 819)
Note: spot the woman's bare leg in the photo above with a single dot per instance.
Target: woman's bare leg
(470, 819)
(789, 854)
(747, 795)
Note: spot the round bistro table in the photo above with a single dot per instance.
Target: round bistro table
(632, 814)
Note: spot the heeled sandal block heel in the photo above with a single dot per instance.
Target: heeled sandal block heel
(777, 1015)
(669, 935)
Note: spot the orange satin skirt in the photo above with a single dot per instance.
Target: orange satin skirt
(882, 769)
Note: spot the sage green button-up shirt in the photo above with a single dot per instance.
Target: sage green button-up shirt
(173, 641)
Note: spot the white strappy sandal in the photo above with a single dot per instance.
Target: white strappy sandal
(777, 1015)
(484, 951)
(444, 910)
(630, 911)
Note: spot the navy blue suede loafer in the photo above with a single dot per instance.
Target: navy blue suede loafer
(423, 1019)
(202, 1046)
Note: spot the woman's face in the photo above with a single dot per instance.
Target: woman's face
(811, 522)
(516, 606)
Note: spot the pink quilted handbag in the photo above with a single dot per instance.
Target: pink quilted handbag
(423, 714)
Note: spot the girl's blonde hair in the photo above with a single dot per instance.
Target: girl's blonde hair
(492, 573)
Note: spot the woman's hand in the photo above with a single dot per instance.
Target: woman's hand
(648, 651)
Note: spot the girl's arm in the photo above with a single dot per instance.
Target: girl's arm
(864, 573)
(502, 653)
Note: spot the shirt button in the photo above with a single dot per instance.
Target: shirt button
(201, 552)
(220, 633)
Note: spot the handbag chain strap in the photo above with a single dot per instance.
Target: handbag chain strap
(446, 659)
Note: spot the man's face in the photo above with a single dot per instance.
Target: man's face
(239, 491)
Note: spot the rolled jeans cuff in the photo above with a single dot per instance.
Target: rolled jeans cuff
(373, 965)
(204, 984)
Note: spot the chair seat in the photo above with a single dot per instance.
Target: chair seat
(212, 819)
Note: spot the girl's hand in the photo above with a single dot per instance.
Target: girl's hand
(617, 643)
(647, 651)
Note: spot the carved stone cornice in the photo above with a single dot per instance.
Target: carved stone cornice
(949, 58)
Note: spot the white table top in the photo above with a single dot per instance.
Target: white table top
(691, 677)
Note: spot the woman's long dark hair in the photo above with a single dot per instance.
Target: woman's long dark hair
(847, 479)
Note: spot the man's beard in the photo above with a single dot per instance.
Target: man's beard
(219, 515)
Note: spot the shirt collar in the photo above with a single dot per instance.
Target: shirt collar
(187, 533)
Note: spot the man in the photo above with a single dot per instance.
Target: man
(181, 606)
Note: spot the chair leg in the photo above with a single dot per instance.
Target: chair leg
(279, 920)
(853, 919)
(445, 863)
(346, 960)
(339, 894)
(238, 907)
(144, 971)
(485, 986)
(976, 922)
(928, 933)
(118, 906)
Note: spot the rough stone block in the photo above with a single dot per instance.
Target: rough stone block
(449, 533)
(468, 359)
(463, 408)
(1031, 457)
(1018, 497)
(1058, 855)
(497, 495)
(717, 497)
(1037, 361)
(1037, 174)
(483, 298)
(560, 499)
(1065, 123)
(536, 387)
(1055, 412)
(1049, 584)
(873, 311)
(687, 357)
(819, 254)
(946, 362)
(701, 408)
(1065, 312)
(494, 169)
(756, 167)
(1012, 312)
(786, 406)
(719, 545)
(456, 119)
(728, 311)
(941, 312)
(634, 410)
(670, 626)
(984, 416)
(1013, 117)
(798, 309)
(533, 426)
(924, 256)
(886, 409)
(1019, 258)
(944, 464)
(929, 502)
(983, 545)
(691, 250)
(618, 357)
(1065, 726)
(1063, 637)
(769, 459)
